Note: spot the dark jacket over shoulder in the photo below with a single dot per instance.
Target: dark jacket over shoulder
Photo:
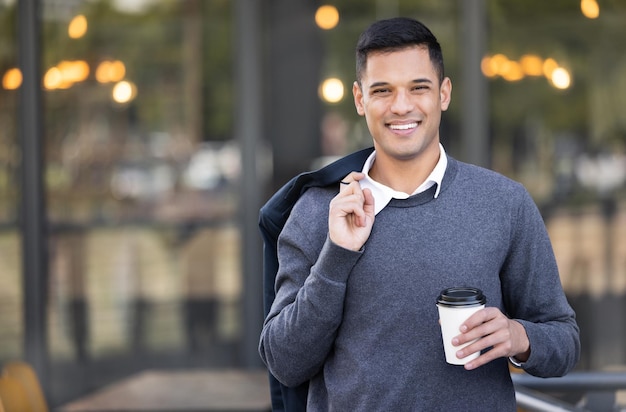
(272, 218)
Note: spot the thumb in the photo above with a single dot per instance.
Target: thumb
(368, 204)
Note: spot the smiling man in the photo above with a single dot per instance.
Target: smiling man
(361, 263)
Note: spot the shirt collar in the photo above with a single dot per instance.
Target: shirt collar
(383, 194)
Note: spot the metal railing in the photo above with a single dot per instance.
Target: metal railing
(598, 390)
(533, 401)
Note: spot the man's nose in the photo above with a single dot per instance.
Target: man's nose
(402, 102)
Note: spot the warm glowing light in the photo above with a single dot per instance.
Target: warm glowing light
(110, 71)
(77, 27)
(332, 90)
(487, 67)
(561, 78)
(12, 79)
(528, 65)
(499, 63)
(512, 71)
(117, 71)
(532, 65)
(124, 92)
(74, 71)
(549, 65)
(327, 17)
(102, 72)
(53, 78)
(65, 74)
(590, 9)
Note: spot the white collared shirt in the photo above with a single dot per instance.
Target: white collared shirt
(383, 194)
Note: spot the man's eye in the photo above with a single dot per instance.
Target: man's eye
(380, 91)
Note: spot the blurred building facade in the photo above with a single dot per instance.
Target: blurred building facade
(166, 123)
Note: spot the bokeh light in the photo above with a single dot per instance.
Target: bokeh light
(561, 78)
(110, 71)
(532, 65)
(77, 27)
(528, 65)
(65, 74)
(327, 17)
(12, 79)
(53, 78)
(74, 71)
(549, 65)
(332, 90)
(124, 92)
(590, 9)
(512, 71)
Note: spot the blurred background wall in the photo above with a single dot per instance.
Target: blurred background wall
(149, 253)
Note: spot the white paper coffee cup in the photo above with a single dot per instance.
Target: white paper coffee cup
(455, 306)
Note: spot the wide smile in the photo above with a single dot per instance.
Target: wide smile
(403, 127)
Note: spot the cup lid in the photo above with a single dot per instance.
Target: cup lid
(461, 296)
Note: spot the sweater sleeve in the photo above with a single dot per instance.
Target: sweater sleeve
(533, 295)
(301, 326)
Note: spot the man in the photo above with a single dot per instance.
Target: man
(361, 265)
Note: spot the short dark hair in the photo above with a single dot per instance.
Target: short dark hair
(395, 34)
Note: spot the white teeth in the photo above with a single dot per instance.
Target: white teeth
(403, 126)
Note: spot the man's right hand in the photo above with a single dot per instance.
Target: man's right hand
(351, 214)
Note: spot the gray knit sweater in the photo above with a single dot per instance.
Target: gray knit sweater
(363, 328)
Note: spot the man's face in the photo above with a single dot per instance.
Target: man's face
(402, 101)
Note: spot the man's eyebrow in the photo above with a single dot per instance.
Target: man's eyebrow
(378, 84)
(423, 80)
(419, 80)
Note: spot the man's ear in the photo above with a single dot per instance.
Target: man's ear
(358, 98)
(445, 93)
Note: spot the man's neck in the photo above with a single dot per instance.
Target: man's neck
(403, 175)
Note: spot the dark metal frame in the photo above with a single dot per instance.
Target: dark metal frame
(33, 223)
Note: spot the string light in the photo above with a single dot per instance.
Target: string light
(528, 65)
